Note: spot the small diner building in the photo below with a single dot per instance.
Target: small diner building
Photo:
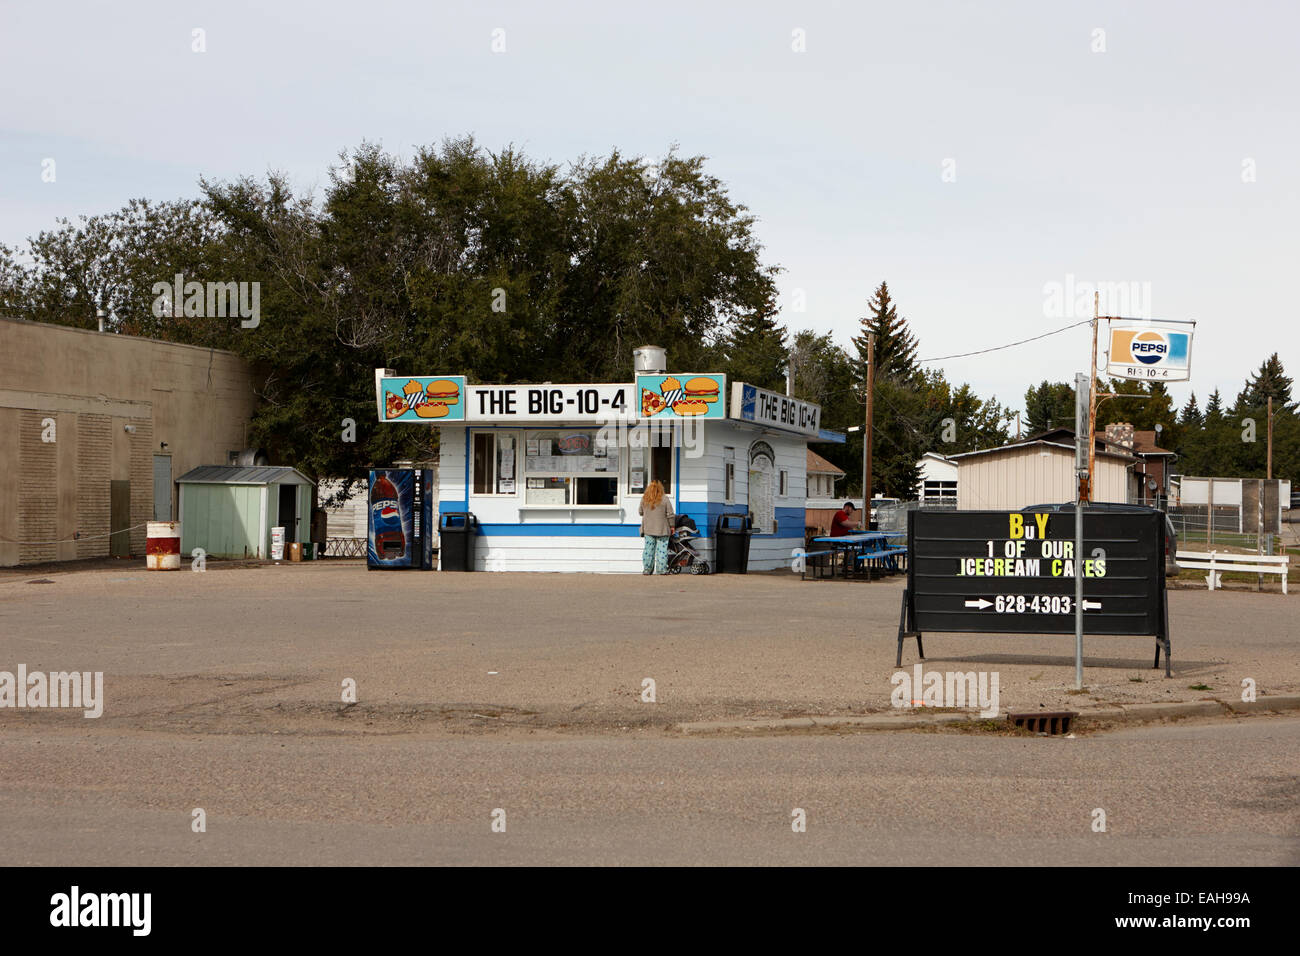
(554, 473)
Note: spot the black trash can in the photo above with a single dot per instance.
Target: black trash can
(733, 532)
(456, 533)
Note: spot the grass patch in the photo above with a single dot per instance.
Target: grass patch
(1198, 687)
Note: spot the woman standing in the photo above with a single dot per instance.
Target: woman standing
(656, 525)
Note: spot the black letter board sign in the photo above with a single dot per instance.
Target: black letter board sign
(999, 572)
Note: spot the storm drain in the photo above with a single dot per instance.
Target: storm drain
(1040, 722)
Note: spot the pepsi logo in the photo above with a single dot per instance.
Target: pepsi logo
(1149, 347)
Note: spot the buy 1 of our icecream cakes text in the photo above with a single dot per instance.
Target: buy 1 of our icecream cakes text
(1029, 553)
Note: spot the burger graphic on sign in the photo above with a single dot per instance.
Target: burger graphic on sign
(687, 400)
(427, 401)
(439, 395)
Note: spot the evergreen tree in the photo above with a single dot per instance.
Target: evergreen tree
(895, 346)
(1191, 414)
(1049, 405)
(1271, 381)
(1214, 409)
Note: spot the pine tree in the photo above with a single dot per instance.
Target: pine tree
(1191, 414)
(1271, 381)
(1049, 405)
(895, 347)
(1214, 408)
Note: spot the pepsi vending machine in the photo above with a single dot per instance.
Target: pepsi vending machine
(400, 525)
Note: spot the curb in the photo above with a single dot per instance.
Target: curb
(1134, 713)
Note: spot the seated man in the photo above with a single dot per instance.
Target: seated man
(844, 522)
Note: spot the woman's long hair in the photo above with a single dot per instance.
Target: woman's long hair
(654, 494)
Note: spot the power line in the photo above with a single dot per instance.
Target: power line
(1009, 345)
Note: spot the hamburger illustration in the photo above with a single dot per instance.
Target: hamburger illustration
(438, 396)
(702, 389)
(696, 396)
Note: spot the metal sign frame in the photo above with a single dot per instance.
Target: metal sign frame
(965, 577)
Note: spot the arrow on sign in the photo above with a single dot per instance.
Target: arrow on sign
(980, 603)
(1092, 605)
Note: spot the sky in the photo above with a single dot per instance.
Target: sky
(991, 161)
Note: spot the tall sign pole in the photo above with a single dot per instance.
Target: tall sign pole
(1082, 469)
(1086, 490)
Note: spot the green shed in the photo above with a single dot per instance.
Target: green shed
(229, 510)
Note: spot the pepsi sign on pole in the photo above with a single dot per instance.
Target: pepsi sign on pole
(1149, 353)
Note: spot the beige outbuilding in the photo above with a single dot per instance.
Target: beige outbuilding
(1037, 471)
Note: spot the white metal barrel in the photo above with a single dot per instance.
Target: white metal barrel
(162, 546)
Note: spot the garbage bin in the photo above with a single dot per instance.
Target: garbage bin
(456, 533)
(733, 532)
(309, 551)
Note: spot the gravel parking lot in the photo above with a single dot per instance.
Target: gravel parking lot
(249, 648)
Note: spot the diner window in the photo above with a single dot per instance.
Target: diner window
(494, 463)
(782, 485)
(570, 467)
(729, 476)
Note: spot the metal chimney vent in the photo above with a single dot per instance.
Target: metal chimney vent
(649, 360)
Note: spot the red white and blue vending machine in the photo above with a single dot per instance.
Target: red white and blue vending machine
(400, 523)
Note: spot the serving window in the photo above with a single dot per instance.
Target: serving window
(570, 466)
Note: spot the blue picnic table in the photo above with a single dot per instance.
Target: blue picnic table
(861, 551)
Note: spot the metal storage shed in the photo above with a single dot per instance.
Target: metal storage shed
(229, 510)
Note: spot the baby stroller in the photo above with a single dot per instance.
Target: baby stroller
(681, 552)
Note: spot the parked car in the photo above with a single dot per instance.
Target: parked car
(1171, 536)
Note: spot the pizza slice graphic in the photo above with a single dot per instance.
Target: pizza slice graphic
(651, 404)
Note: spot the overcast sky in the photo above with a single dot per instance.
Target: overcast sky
(972, 154)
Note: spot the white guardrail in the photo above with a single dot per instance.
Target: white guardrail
(1219, 561)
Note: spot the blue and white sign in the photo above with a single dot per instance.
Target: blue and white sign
(749, 403)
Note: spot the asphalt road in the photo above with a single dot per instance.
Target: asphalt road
(1222, 793)
(231, 650)
(522, 693)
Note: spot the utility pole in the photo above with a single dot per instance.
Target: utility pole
(1082, 462)
(1270, 437)
(1085, 492)
(866, 436)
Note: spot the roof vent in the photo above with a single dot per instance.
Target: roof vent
(649, 360)
(249, 458)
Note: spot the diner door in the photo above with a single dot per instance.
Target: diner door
(762, 473)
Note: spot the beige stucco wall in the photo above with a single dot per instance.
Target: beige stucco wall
(1018, 477)
(92, 385)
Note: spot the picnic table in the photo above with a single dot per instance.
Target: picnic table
(862, 551)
